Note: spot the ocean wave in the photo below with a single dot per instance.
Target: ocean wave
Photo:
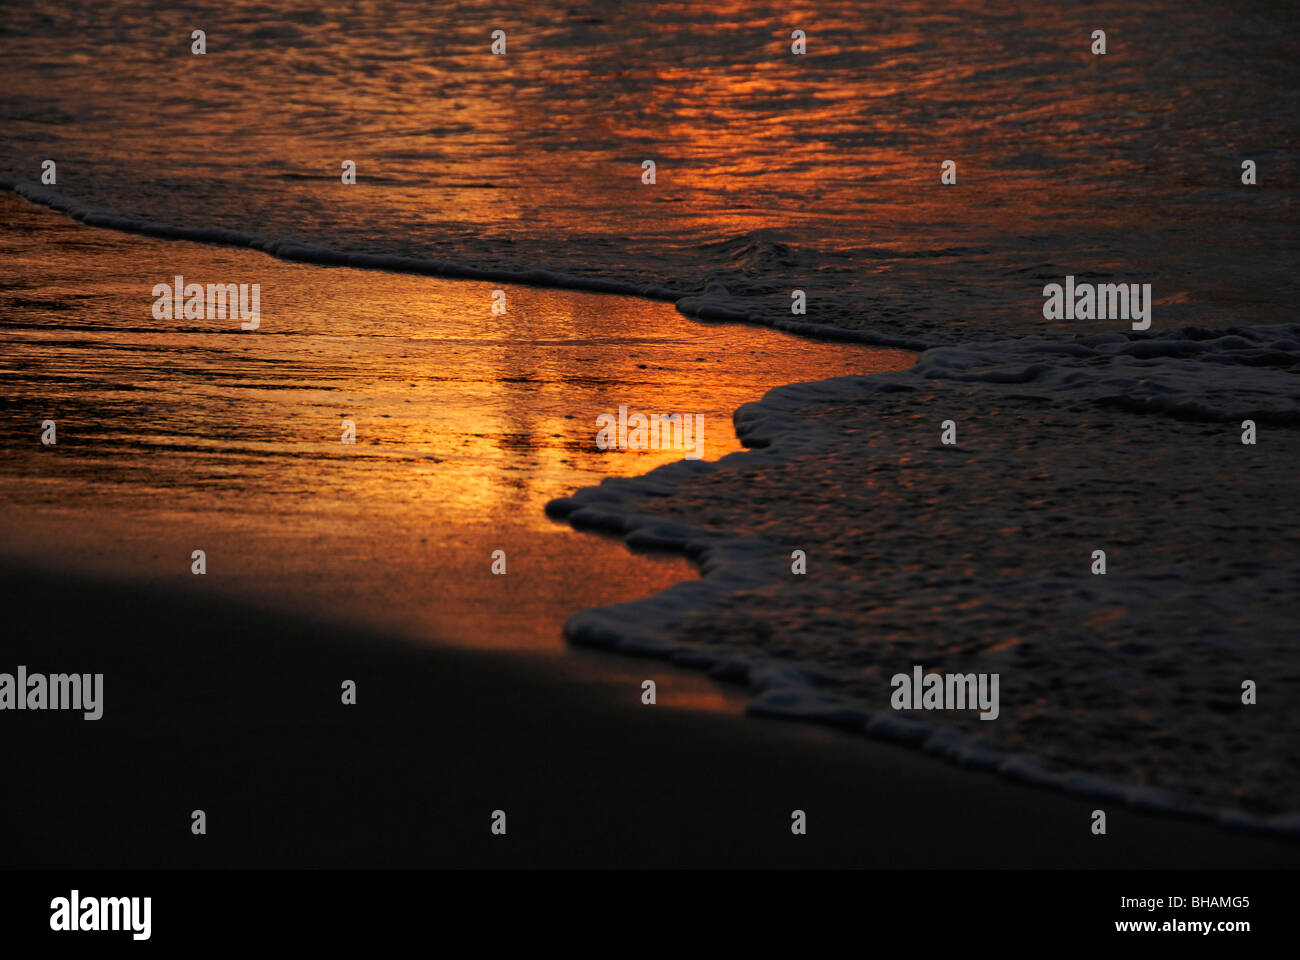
(528, 167)
(1076, 718)
(717, 303)
(322, 256)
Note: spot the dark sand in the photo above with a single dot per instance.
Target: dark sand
(237, 712)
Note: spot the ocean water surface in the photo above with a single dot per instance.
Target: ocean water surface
(774, 172)
(174, 436)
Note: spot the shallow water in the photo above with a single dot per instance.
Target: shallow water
(774, 171)
(1124, 681)
(183, 435)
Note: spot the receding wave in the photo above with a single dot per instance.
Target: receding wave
(969, 561)
(716, 303)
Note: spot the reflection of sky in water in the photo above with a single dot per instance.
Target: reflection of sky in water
(773, 169)
(454, 406)
(773, 172)
(467, 422)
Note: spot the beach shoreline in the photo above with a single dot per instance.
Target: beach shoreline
(1094, 703)
(238, 712)
(596, 677)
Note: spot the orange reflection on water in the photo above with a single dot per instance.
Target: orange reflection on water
(177, 434)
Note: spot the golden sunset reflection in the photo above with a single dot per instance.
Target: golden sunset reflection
(184, 434)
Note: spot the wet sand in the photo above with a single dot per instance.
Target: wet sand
(237, 712)
(183, 435)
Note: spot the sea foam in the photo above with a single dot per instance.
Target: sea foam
(1121, 687)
